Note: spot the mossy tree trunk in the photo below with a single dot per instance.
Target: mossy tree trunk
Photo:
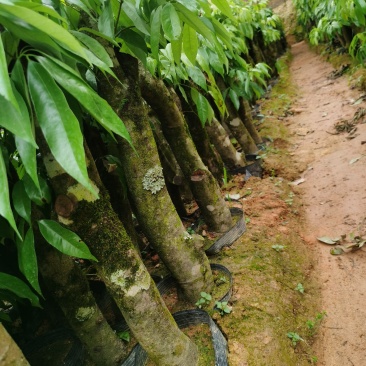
(153, 206)
(236, 125)
(10, 353)
(203, 185)
(220, 138)
(207, 152)
(246, 116)
(119, 265)
(70, 288)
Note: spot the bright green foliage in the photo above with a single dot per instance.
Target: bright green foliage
(204, 300)
(328, 21)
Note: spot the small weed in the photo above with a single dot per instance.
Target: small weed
(204, 300)
(247, 220)
(290, 199)
(125, 336)
(295, 338)
(300, 288)
(224, 179)
(221, 280)
(313, 324)
(222, 307)
(278, 248)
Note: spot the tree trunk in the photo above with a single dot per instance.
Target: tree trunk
(236, 125)
(153, 207)
(246, 116)
(220, 138)
(203, 185)
(207, 152)
(69, 287)
(10, 353)
(120, 266)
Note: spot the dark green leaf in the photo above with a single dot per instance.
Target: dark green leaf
(21, 15)
(5, 208)
(87, 97)
(105, 20)
(28, 155)
(39, 195)
(234, 98)
(170, 22)
(201, 104)
(27, 260)
(64, 240)
(197, 76)
(21, 201)
(18, 78)
(6, 91)
(18, 287)
(139, 22)
(94, 46)
(59, 125)
(155, 32)
(16, 119)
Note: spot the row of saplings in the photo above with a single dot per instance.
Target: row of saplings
(172, 157)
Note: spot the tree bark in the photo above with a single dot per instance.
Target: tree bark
(69, 287)
(203, 185)
(10, 353)
(153, 207)
(220, 138)
(246, 117)
(236, 125)
(120, 266)
(207, 152)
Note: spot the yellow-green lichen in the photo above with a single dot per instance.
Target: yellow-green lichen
(81, 193)
(153, 180)
(84, 314)
(122, 279)
(52, 166)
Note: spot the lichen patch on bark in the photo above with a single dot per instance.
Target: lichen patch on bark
(84, 314)
(81, 193)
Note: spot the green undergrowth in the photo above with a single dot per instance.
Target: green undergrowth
(274, 293)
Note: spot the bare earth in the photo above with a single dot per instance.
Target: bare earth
(334, 196)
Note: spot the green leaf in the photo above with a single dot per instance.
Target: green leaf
(86, 96)
(201, 104)
(234, 98)
(195, 22)
(18, 287)
(18, 78)
(27, 260)
(170, 22)
(38, 194)
(59, 125)
(6, 90)
(5, 208)
(16, 120)
(20, 15)
(155, 32)
(190, 43)
(177, 50)
(105, 20)
(94, 46)
(327, 240)
(28, 155)
(21, 201)
(138, 22)
(136, 43)
(197, 76)
(64, 240)
(224, 7)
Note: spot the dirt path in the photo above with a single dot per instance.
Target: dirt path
(334, 196)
